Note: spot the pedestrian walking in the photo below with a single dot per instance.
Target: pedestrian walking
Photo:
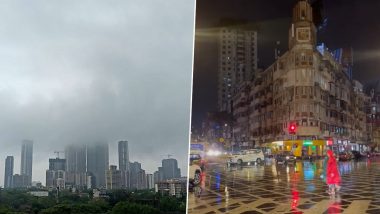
(331, 173)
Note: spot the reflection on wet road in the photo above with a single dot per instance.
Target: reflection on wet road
(298, 188)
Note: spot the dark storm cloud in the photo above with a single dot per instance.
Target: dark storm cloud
(82, 72)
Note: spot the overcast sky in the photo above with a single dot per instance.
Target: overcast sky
(87, 71)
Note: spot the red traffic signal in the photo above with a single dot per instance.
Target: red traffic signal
(292, 129)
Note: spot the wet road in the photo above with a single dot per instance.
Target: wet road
(288, 189)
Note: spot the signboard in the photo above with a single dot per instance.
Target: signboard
(197, 146)
(307, 142)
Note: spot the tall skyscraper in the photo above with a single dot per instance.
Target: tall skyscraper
(76, 165)
(27, 159)
(169, 170)
(124, 167)
(123, 155)
(98, 162)
(8, 175)
(237, 62)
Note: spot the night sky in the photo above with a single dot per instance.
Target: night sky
(350, 23)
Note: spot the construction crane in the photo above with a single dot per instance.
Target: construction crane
(57, 153)
(168, 155)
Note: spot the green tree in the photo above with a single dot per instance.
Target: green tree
(133, 208)
(169, 204)
(58, 209)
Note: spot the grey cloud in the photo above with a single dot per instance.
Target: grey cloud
(95, 70)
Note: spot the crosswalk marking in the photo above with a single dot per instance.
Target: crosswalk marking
(319, 207)
(357, 207)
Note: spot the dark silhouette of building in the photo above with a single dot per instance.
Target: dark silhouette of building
(98, 162)
(8, 175)
(27, 160)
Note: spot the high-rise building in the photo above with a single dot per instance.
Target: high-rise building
(138, 176)
(158, 175)
(237, 62)
(57, 164)
(150, 181)
(114, 178)
(8, 175)
(27, 159)
(169, 169)
(56, 174)
(21, 181)
(124, 162)
(76, 175)
(98, 162)
(123, 155)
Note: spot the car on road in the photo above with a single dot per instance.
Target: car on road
(285, 157)
(344, 156)
(195, 176)
(356, 155)
(246, 156)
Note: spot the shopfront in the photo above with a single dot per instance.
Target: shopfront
(300, 147)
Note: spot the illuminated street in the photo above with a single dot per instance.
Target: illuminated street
(288, 189)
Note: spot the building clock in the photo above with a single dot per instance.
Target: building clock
(303, 34)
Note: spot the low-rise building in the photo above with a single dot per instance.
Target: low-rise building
(172, 187)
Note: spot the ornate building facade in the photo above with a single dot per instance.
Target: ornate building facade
(307, 87)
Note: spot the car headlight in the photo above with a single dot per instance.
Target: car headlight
(214, 153)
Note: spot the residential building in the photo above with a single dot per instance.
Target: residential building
(8, 175)
(374, 114)
(172, 187)
(138, 176)
(241, 106)
(114, 178)
(237, 61)
(21, 181)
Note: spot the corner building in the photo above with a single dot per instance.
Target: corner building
(305, 86)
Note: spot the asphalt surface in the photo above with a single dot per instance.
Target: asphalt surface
(272, 188)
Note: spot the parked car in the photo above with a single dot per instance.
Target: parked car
(344, 156)
(285, 157)
(195, 177)
(356, 155)
(246, 156)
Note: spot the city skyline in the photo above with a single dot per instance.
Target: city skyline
(61, 155)
(92, 71)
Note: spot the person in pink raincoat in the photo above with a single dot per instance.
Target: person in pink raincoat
(332, 176)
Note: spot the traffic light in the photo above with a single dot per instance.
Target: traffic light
(292, 128)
